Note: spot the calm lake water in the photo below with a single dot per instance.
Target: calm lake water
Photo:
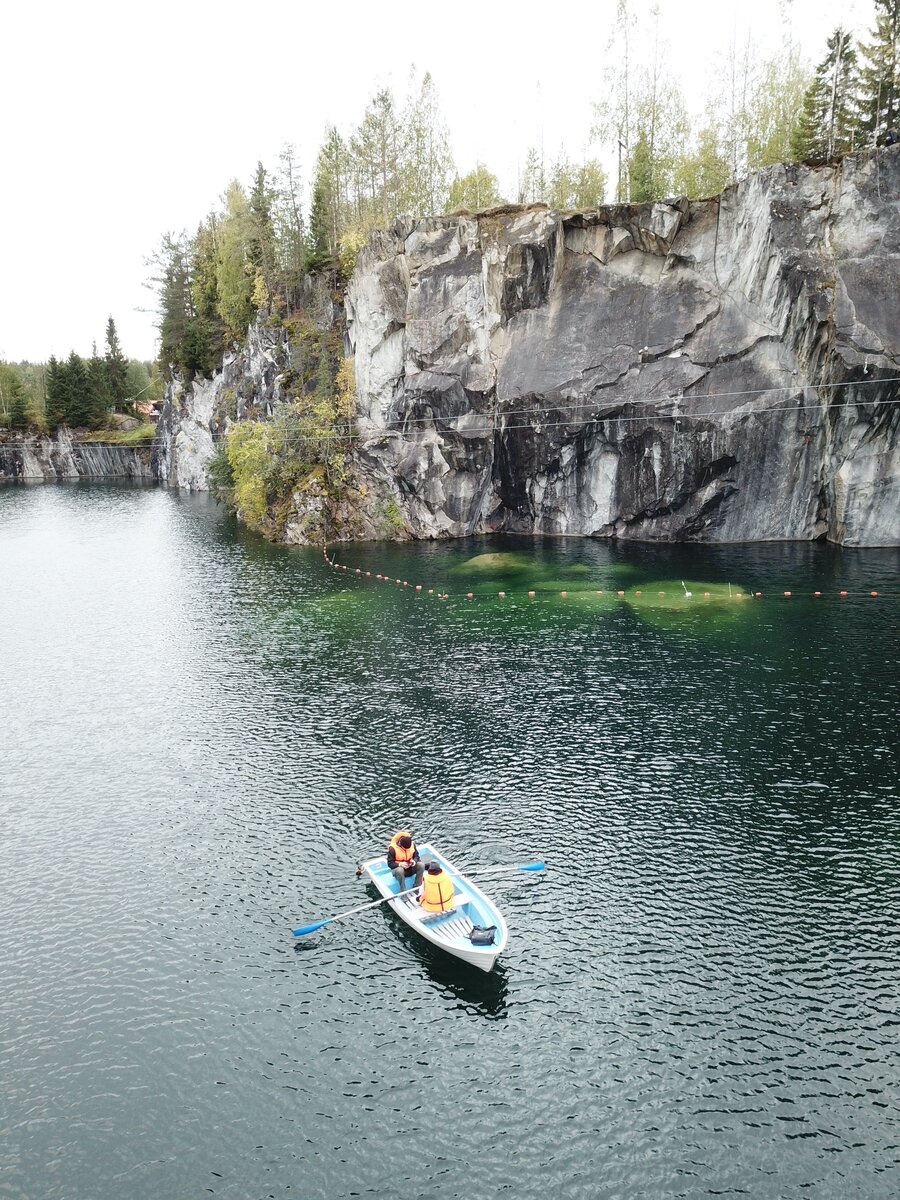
(201, 734)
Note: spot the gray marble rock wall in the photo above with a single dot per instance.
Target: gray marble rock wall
(53, 459)
(717, 370)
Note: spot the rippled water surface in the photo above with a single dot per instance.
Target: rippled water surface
(201, 734)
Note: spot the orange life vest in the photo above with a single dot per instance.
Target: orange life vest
(437, 892)
(403, 856)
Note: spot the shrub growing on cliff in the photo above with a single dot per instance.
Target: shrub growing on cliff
(303, 446)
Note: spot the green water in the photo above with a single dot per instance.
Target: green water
(202, 733)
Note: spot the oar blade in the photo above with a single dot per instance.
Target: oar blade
(304, 929)
(535, 866)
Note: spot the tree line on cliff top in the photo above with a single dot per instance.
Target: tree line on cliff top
(257, 251)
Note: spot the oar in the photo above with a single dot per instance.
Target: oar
(534, 866)
(311, 928)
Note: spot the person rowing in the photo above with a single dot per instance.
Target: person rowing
(437, 890)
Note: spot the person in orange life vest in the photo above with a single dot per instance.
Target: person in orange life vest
(403, 859)
(437, 890)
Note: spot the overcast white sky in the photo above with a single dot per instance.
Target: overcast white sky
(122, 121)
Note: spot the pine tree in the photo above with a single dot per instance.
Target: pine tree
(100, 387)
(640, 171)
(18, 412)
(54, 404)
(204, 335)
(321, 251)
(880, 85)
(261, 240)
(829, 125)
(176, 306)
(116, 366)
(79, 410)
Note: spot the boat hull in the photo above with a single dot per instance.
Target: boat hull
(448, 931)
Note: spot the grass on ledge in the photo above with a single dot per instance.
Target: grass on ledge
(121, 437)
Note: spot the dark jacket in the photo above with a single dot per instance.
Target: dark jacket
(392, 856)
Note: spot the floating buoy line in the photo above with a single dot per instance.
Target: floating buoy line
(419, 589)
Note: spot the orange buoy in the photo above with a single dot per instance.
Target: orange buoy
(787, 593)
(817, 593)
(758, 594)
(706, 593)
(873, 593)
(660, 593)
(564, 593)
(502, 595)
(368, 574)
(531, 595)
(418, 587)
(739, 595)
(431, 591)
(600, 593)
(399, 581)
(843, 593)
(638, 593)
(468, 595)
(620, 593)
(377, 576)
(405, 583)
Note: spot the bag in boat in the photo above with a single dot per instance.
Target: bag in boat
(481, 935)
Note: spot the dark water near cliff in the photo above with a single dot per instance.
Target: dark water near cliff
(200, 734)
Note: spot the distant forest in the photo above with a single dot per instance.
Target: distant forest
(78, 392)
(262, 250)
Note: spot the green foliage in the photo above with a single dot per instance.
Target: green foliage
(879, 96)
(14, 409)
(248, 450)
(775, 96)
(54, 403)
(234, 271)
(477, 190)
(261, 464)
(393, 517)
(830, 123)
(116, 367)
(139, 436)
(101, 388)
(703, 171)
(220, 475)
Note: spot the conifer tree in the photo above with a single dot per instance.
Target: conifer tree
(116, 366)
(77, 397)
(261, 240)
(880, 83)
(54, 406)
(829, 125)
(100, 386)
(204, 330)
(18, 411)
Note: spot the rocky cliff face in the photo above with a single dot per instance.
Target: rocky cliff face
(57, 458)
(195, 417)
(718, 370)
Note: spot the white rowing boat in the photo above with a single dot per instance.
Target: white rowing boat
(451, 931)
